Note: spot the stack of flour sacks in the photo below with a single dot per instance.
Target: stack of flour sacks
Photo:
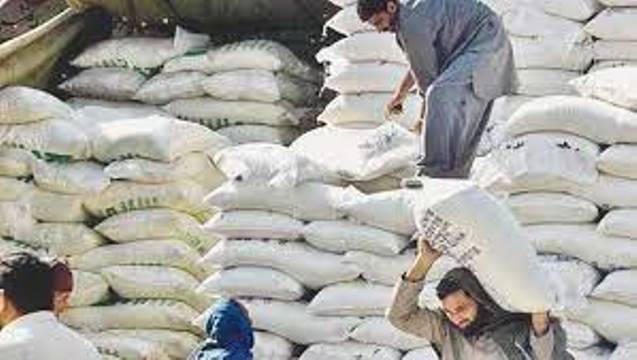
(569, 175)
(314, 260)
(291, 254)
(120, 197)
(255, 90)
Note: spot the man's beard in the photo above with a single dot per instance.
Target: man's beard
(476, 326)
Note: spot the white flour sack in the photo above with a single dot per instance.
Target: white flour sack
(583, 242)
(388, 210)
(539, 207)
(594, 353)
(72, 178)
(313, 268)
(46, 205)
(580, 336)
(177, 344)
(593, 119)
(532, 22)
(124, 196)
(88, 289)
(607, 64)
(618, 286)
(369, 46)
(155, 172)
(131, 52)
(124, 347)
(613, 24)
(609, 192)
(20, 104)
(378, 330)
(309, 201)
(579, 10)
(150, 252)
(356, 298)
(14, 189)
(615, 85)
(165, 87)
(105, 83)
(619, 160)
(620, 222)
(257, 282)
(155, 282)
(155, 138)
(350, 109)
(16, 221)
(245, 224)
(573, 279)
(258, 85)
(270, 346)
(615, 322)
(347, 22)
(138, 314)
(216, 114)
(386, 270)
(354, 78)
(551, 53)
(427, 353)
(465, 222)
(615, 50)
(542, 161)
(294, 322)
(359, 155)
(259, 133)
(49, 138)
(269, 164)
(16, 162)
(544, 82)
(64, 239)
(156, 224)
(258, 54)
(342, 236)
(349, 351)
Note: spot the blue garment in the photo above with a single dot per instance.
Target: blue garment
(229, 332)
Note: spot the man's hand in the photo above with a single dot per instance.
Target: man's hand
(394, 106)
(426, 252)
(416, 128)
(426, 256)
(540, 323)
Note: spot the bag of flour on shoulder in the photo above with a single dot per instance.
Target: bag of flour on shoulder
(463, 221)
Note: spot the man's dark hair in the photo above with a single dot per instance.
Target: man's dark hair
(27, 282)
(367, 8)
(446, 287)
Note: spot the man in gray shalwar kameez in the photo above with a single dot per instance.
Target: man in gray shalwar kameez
(461, 60)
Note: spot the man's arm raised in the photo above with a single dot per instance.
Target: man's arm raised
(404, 312)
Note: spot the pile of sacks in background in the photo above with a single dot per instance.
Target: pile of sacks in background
(314, 259)
(550, 46)
(255, 90)
(568, 173)
(555, 42)
(122, 200)
(296, 261)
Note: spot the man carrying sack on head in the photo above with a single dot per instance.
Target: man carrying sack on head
(461, 60)
(471, 325)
